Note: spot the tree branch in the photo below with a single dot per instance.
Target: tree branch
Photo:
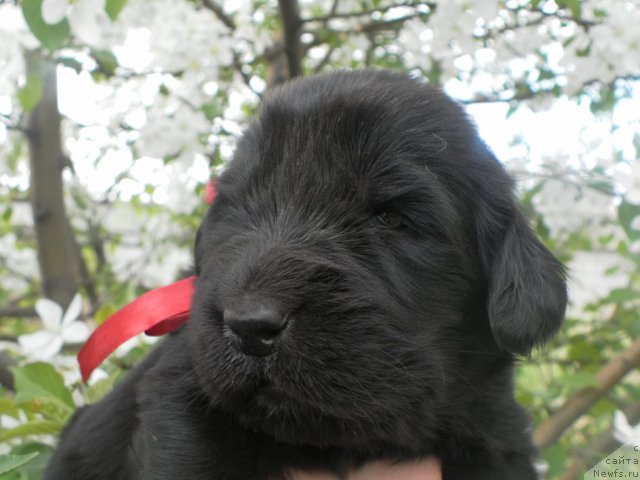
(581, 401)
(391, 24)
(529, 94)
(58, 266)
(6, 377)
(18, 312)
(86, 279)
(325, 59)
(292, 28)
(585, 24)
(367, 12)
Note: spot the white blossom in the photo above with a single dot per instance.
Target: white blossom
(623, 431)
(628, 176)
(87, 18)
(14, 36)
(59, 328)
(148, 254)
(567, 208)
(54, 11)
(592, 276)
(20, 261)
(168, 133)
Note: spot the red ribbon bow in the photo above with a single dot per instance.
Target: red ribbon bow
(155, 313)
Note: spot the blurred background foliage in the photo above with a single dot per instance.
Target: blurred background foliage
(115, 113)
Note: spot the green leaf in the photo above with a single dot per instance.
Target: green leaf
(53, 37)
(31, 93)
(6, 216)
(107, 61)
(599, 13)
(71, 63)
(211, 110)
(627, 212)
(40, 381)
(34, 470)
(34, 427)
(606, 100)
(545, 74)
(104, 312)
(582, 350)
(8, 407)
(11, 462)
(581, 379)
(620, 295)
(556, 457)
(575, 7)
(14, 155)
(114, 7)
(99, 389)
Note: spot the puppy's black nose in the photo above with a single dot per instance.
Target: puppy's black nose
(257, 327)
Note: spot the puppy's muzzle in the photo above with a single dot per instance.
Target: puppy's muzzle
(257, 326)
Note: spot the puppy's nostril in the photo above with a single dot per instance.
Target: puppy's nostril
(257, 327)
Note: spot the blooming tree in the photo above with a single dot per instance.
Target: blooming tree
(115, 113)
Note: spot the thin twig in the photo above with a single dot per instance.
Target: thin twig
(367, 12)
(219, 12)
(18, 312)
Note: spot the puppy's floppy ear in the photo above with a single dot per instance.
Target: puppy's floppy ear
(527, 293)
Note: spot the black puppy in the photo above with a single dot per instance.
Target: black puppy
(365, 279)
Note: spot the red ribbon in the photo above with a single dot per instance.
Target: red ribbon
(210, 192)
(156, 313)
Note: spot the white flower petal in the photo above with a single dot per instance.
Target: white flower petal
(75, 332)
(619, 437)
(51, 350)
(53, 11)
(95, 6)
(623, 431)
(129, 345)
(620, 423)
(84, 24)
(8, 422)
(50, 313)
(40, 345)
(33, 342)
(97, 375)
(73, 310)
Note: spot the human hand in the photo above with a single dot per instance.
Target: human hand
(428, 469)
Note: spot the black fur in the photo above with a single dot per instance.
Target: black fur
(364, 207)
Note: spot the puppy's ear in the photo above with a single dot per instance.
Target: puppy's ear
(527, 293)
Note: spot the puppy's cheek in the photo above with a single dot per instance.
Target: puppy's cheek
(374, 378)
(223, 374)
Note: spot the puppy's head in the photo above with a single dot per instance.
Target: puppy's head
(363, 243)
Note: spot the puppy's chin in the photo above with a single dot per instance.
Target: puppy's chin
(318, 408)
(299, 422)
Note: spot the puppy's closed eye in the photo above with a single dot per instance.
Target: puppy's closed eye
(390, 220)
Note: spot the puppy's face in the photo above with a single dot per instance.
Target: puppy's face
(357, 254)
